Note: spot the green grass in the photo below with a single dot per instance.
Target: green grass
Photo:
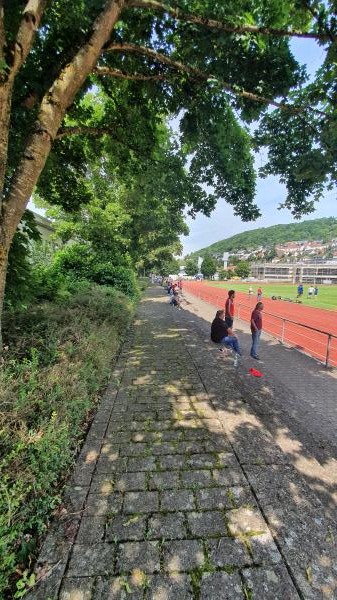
(327, 294)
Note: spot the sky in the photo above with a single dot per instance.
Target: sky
(269, 194)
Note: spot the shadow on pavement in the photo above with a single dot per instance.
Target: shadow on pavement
(181, 491)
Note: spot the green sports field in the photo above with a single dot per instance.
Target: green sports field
(327, 294)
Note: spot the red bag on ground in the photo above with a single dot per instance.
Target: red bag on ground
(255, 372)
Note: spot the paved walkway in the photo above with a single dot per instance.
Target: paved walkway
(182, 492)
(297, 391)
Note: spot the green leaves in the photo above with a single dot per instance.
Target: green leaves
(19, 288)
(221, 156)
(208, 266)
(212, 157)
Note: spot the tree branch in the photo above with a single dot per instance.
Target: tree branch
(123, 75)
(176, 13)
(82, 130)
(2, 33)
(208, 78)
(30, 22)
(12, 59)
(53, 107)
(315, 14)
(96, 132)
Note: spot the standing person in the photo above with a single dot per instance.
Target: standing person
(315, 291)
(229, 308)
(311, 291)
(222, 334)
(256, 329)
(250, 291)
(300, 290)
(259, 294)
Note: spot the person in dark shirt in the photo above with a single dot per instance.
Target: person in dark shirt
(222, 334)
(300, 290)
(256, 329)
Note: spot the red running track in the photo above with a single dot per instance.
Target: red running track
(277, 314)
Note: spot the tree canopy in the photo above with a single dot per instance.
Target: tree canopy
(191, 266)
(130, 219)
(242, 269)
(208, 266)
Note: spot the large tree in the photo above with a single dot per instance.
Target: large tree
(130, 218)
(216, 63)
(191, 266)
(242, 269)
(208, 267)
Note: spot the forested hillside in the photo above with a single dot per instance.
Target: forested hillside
(317, 229)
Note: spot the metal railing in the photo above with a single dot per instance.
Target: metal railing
(315, 342)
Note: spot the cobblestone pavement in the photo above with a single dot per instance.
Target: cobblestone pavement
(181, 492)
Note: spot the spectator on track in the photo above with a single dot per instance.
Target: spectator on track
(229, 308)
(256, 329)
(259, 294)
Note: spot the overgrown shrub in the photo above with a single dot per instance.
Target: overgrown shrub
(81, 261)
(121, 278)
(50, 284)
(58, 358)
(76, 259)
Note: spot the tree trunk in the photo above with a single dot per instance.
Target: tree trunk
(3, 271)
(5, 111)
(52, 110)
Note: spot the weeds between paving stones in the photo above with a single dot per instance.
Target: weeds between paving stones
(131, 520)
(308, 573)
(231, 498)
(245, 538)
(247, 592)
(198, 572)
(148, 534)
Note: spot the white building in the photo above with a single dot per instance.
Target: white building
(44, 226)
(320, 271)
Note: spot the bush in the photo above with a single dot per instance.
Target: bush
(121, 278)
(224, 274)
(80, 261)
(75, 259)
(50, 284)
(58, 358)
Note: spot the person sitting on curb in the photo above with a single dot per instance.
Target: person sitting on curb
(222, 334)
